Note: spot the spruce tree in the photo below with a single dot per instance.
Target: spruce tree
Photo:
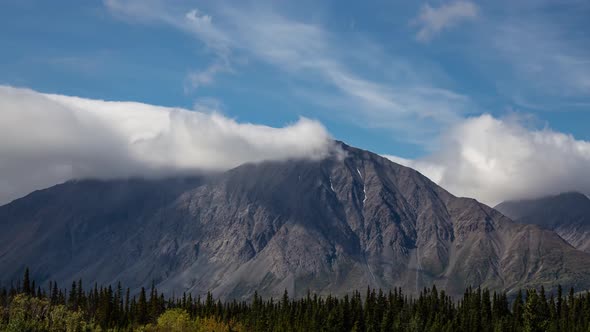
(142, 308)
(26, 283)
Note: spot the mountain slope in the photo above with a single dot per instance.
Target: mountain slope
(342, 223)
(568, 214)
(76, 227)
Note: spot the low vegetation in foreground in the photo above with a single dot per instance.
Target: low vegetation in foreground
(25, 307)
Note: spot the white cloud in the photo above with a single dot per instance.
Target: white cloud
(495, 160)
(405, 101)
(208, 105)
(483, 157)
(205, 77)
(47, 139)
(432, 21)
(192, 21)
(199, 19)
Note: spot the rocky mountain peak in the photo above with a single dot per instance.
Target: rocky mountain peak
(352, 220)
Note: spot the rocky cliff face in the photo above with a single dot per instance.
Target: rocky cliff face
(346, 222)
(568, 214)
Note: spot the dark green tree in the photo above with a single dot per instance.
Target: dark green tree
(26, 282)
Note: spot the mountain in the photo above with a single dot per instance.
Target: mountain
(75, 228)
(346, 222)
(568, 214)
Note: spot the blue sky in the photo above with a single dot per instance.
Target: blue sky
(530, 59)
(489, 99)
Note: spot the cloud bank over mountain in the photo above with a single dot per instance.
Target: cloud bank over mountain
(47, 139)
(500, 159)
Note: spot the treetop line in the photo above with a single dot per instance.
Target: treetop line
(28, 307)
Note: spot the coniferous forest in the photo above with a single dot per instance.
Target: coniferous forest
(29, 307)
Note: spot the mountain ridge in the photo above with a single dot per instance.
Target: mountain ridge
(344, 222)
(567, 213)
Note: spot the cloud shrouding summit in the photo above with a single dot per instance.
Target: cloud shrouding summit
(47, 139)
(495, 160)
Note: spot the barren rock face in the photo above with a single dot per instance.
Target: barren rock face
(568, 214)
(328, 226)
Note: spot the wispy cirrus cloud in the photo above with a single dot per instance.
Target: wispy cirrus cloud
(431, 21)
(546, 60)
(196, 78)
(193, 22)
(531, 54)
(478, 155)
(309, 52)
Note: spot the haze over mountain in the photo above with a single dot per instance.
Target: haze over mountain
(568, 214)
(332, 225)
